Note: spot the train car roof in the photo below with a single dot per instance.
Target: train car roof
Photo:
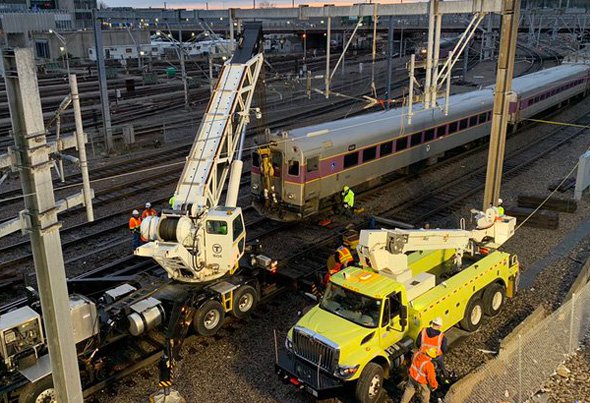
(530, 82)
(341, 133)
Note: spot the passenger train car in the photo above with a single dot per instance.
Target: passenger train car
(310, 165)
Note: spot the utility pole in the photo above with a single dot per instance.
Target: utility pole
(31, 151)
(328, 40)
(102, 84)
(505, 71)
(389, 61)
(429, 49)
(182, 66)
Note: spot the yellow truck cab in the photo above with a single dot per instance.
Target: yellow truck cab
(370, 316)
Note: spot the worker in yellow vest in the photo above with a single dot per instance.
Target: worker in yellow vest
(347, 201)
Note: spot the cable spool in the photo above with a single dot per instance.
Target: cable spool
(167, 229)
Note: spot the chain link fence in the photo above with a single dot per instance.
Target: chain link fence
(525, 364)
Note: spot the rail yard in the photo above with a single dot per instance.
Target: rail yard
(344, 210)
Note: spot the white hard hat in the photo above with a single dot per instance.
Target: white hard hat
(437, 321)
(135, 212)
(148, 205)
(500, 201)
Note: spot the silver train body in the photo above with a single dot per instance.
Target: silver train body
(312, 164)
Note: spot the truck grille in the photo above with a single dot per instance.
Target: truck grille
(313, 350)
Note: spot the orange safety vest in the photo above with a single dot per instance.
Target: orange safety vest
(134, 224)
(148, 212)
(422, 369)
(344, 255)
(427, 342)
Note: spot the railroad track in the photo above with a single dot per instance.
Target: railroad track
(445, 199)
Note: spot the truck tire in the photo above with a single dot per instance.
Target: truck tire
(39, 392)
(208, 319)
(473, 315)
(245, 300)
(369, 386)
(493, 299)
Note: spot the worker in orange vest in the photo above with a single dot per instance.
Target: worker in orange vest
(148, 211)
(134, 227)
(338, 261)
(422, 376)
(434, 337)
(344, 256)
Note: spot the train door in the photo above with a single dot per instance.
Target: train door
(312, 187)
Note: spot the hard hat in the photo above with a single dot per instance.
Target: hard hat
(500, 201)
(432, 352)
(148, 205)
(135, 212)
(437, 321)
(345, 188)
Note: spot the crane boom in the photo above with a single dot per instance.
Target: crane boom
(228, 112)
(199, 240)
(387, 250)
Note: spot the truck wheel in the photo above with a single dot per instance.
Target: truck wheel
(369, 386)
(493, 299)
(208, 319)
(39, 392)
(245, 300)
(473, 315)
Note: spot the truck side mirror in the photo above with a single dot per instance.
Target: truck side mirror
(403, 317)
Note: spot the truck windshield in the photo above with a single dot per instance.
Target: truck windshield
(352, 306)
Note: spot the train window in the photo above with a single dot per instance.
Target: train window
(473, 121)
(313, 164)
(441, 131)
(453, 127)
(255, 159)
(293, 168)
(536, 99)
(482, 117)
(386, 148)
(369, 154)
(429, 135)
(128, 50)
(415, 139)
(490, 115)
(351, 159)
(401, 144)
(463, 124)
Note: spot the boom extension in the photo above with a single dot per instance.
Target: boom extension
(386, 250)
(199, 240)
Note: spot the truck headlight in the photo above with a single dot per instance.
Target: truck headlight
(288, 344)
(346, 372)
(290, 196)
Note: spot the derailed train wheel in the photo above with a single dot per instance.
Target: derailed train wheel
(208, 318)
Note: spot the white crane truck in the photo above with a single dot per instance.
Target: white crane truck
(370, 316)
(199, 244)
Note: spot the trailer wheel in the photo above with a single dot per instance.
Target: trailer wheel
(369, 386)
(208, 319)
(245, 300)
(473, 315)
(39, 392)
(493, 299)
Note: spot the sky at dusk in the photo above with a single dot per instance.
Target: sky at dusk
(217, 4)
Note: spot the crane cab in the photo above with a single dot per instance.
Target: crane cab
(225, 238)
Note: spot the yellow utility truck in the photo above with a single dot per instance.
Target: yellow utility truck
(371, 315)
